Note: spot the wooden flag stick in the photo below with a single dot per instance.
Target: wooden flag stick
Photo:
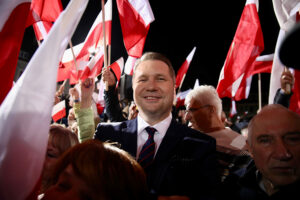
(259, 92)
(181, 83)
(104, 40)
(74, 57)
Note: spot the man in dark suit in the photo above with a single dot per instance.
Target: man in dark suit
(183, 161)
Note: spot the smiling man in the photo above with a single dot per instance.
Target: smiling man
(173, 156)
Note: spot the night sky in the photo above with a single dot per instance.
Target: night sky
(181, 25)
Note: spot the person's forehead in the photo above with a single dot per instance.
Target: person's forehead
(276, 123)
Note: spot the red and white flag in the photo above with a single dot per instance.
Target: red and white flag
(246, 46)
(91, 45)
(29, 105)
(59, 111)
(135, 18)
(117, 67)
(44, 10)
(287, 16)
(41, 29)
(129, 65)
(262, 64)
(12, 27)
(180, 98)
(92, 69)
(184, 68)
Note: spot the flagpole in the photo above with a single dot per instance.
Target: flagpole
(259, 92)
(181, 83)
(104, 40)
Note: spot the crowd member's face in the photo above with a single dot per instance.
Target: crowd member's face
(275, 147)
(153, 89)
(68, 187)
(198, 115)
(52, 155)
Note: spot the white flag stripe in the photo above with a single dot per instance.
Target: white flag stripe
(144, 9)
(7, 8)
(98, 20)
(29, 105)
(191, 55)
(58, 107)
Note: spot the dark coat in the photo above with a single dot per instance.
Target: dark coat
(185, 163)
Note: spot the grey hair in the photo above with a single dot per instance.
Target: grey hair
(206, 94)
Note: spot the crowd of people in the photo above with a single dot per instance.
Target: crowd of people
(150, 150)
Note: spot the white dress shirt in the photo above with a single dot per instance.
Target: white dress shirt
(142, 135)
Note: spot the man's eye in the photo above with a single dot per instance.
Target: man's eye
(264, 140)
(292, 139)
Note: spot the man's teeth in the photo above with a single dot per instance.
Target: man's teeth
(151, 97)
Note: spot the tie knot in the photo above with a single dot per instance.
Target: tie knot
(150, 130)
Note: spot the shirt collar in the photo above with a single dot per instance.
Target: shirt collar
(161, 126)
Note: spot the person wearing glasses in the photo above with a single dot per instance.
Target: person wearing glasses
(204, 113)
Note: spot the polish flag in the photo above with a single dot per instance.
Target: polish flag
(12, 26)
(41, 29)
(184, 68)
(44, 10)
(129, 65)
(135, 18)
(91, 45)
(59, 111)
(29, 105)
(93, 68)
(246, 46)
(117, 67)
(262, 64)
(180, 98)
(42, 14)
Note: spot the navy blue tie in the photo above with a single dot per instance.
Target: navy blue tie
(147, 153)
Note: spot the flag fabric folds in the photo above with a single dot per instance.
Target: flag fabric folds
(42, 14)
(135, 18)
(12, 27)
(117, 68)
(25, 114)
(184, 68)
(90, 46)
(247, 44)
(44, 10)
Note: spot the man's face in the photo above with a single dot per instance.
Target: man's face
(198, 115)
(153, 89)
(275, 147)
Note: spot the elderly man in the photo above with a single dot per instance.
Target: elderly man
(204, 113)
(274, 143)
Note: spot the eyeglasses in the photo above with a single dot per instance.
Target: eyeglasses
(192, 110)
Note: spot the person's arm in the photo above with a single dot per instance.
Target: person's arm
(113, 109)
(83, 111)
(284, 94)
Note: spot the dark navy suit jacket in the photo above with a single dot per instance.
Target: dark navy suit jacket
(185, 163)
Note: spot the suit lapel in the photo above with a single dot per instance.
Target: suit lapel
(169, 142)
(129, 134)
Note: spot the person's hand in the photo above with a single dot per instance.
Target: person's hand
(108, 76)
(73, 92)
(87, 88)
(133, 111)
(287, 81)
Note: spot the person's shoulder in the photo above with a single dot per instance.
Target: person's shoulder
(194, 134)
